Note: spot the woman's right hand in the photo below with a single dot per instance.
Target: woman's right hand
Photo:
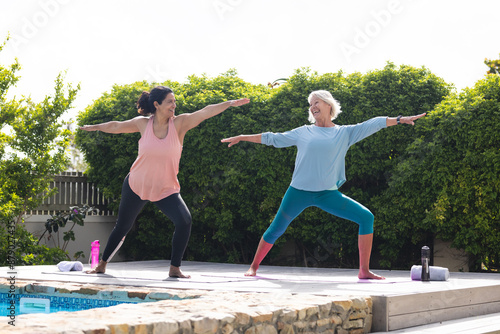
(88, 128)
(231, 140)
(250, 138)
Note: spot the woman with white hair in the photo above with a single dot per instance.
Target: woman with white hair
(320, 172)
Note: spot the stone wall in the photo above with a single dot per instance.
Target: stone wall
(197, 312)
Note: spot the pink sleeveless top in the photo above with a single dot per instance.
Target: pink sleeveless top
(153, 176)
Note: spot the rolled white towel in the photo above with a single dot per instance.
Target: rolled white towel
(70, 266)
(436, 273)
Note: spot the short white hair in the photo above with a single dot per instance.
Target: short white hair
(328, 98)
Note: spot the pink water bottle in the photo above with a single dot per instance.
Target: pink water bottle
(94, 254)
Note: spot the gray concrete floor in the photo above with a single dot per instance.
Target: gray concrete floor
(317, 281)
(229, 277)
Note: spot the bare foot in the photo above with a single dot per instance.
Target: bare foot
(99, 269)
(252, 271)
(369, 275)
(177, 273)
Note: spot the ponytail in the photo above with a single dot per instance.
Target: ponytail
(143, 104)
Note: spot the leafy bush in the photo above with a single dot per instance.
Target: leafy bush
(20, 247)
(233, 194)
(76, 215)
(31, 152)
(446, 185)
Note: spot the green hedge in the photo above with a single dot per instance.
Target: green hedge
(234, 193)
(446, 186)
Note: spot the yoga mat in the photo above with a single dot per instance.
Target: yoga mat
(436, 273)
(159, 278)
(331, 279)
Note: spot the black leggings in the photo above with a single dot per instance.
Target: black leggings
(131, 205)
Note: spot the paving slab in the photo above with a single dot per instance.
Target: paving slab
(230, 277)
(397, 288)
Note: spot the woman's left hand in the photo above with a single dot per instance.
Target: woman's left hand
(411, 119)
(240, 102)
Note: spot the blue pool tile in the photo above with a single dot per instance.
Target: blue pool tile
(64, 303)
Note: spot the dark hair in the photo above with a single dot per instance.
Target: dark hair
(146, 101)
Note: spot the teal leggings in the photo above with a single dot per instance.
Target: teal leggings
(331, 201)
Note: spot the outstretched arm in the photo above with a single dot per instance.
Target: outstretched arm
(189, 121)
(404, 120)
(129, 126)
(235, 140)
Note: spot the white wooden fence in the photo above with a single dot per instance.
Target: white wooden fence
(73, 190)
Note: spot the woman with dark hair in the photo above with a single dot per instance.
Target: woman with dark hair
(153, 175)
(320, 172)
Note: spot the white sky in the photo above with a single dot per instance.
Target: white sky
(104, 42)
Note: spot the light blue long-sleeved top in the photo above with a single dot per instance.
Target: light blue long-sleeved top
(320, 161)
